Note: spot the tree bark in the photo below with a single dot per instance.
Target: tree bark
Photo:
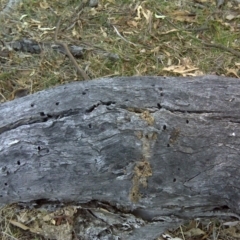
(164, 149)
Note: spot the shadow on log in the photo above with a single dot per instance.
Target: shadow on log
(159, 149)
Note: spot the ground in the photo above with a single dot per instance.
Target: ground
(117, 38)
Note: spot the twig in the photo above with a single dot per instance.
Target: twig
(3, 96)
(124, 39)
(79, 70)
(234, 52)
(182, 232)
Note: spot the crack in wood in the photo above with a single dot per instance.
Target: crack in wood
(93, 107)
(41, 117)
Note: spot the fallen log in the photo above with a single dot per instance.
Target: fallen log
(162, 149)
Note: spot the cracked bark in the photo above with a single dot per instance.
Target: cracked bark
(159, 148)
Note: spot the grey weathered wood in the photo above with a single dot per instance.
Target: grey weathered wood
(157, 146)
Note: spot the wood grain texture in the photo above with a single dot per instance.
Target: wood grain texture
(157, 146)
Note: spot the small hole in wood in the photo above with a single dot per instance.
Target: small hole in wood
(140, 168)
(32, 105)
(223, 207)
(187, 121)
(164, 127)
(161, 94)
(18, 162)
(5, 184)
(42, 114)
(90, 125)
(174, 180)
(159, 105)
(83, 93)
(168, 145)
(39, 148)
(57, 103)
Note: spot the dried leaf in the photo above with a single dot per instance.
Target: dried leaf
(103, 33)
(46, 29)
(170, 31)
(20, 225)
(132, 23)
(44, 5)
(148, 15)
(159, 16)
(232, 71)
(231, 224)
(183, 16)
(139, 9)
(230, 17)
(194, 232)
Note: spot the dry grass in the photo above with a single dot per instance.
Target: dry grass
(127, 37)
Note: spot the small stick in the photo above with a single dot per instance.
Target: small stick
(79, 70)
(124, 39)
(227, 49)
